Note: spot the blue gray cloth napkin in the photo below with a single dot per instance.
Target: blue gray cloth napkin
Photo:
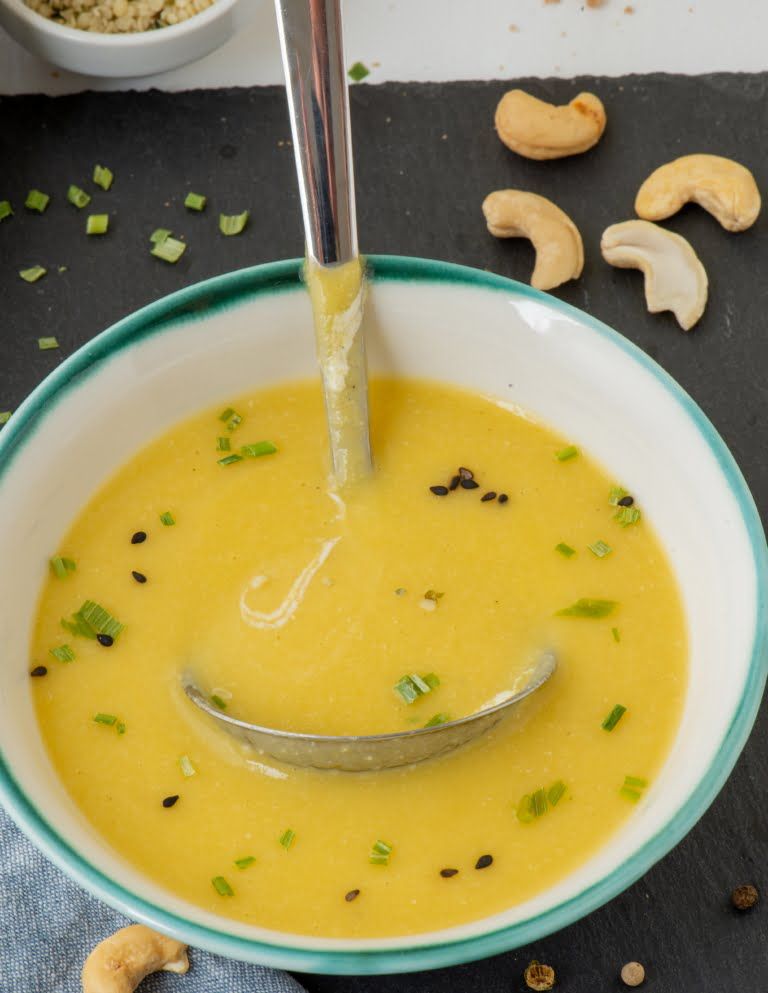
(48, 925)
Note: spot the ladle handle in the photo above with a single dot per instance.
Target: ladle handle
(318, 101)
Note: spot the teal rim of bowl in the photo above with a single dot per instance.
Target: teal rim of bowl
(411, 952)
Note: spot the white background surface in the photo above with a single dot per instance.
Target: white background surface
(465, 39)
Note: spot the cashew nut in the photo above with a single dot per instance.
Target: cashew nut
(559, 249)
(540, 130)
(723, 187)
(674, 277)
(119, 963)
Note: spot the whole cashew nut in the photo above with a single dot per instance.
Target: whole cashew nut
(674, 277)
(723, 187)
(559, 249)
(540, 130)
(118, 964)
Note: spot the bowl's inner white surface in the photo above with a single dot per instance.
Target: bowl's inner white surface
(508, 346)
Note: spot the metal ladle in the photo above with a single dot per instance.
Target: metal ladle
(313, 59)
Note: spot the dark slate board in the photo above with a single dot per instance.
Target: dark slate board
(426, 155)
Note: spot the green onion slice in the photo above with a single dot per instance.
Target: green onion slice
(244, 862)
(92, 619)
(358, 71)
(613, 718)
(5, 416)
(616, 634)
(627, 515)
(159, 234)
(97, 224)
(169, 249)
(617, 493)
(259, 448)
(62, 566)
(167, 519)
(287, 838)
(565, 550)
(569, 452)
(108, 719)
(36, 201)
(380, 853)
(588, 607)
(218, 702)
(600, 549)
(46, 344)
(230, 224)
(33, 274)
(63, 653)
(102, 176)
(536, 804)
(230, 459)
(412, 686)
(6, 210)
(195, 201)
(77, 197)
(555, 793)
(438, 719)
(222, 887)
(637, 782)
(223, 444)
(185, 764)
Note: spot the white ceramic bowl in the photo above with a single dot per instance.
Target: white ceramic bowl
(119, 55)
(251, 328)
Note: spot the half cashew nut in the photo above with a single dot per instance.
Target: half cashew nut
(540, 130)
(723, 187)
(559, 249)
(674, 277)
(119, 963)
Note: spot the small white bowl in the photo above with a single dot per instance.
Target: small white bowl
(142, 53)
(253, 328)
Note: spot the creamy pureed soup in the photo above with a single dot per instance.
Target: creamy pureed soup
(222, 546)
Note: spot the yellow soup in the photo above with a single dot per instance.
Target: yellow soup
(299, 609)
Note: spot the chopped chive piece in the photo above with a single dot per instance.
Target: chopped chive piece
(226, 414)
(78, 627)
(77, 197)
(525, 810)
(438, 719)
(259, 448)
(613, 718)
(108, 719)
(287, 838)
(100, 620)
(222, 887)
(630, 794)
(616, 635)
(555, 793)
(234, 422)
(569, 452)
(412, 686)
(46, 344)
(167, 519)
(218, 702)
(222, 445)
(600, 549)
(627, 515)
(97, 224)
(229, 459)
(539, 803)
(63, 653)
(358, 71)
(158, 235)
(433, 595)
(230, 224)
(185, 764)
(637, 782)
(565, 550)
(5, 209)
(380, 853)
(102, 176)
(244, 862)
(120, 727)
(588, 607)
(32, 275)
(616, 494)
(195, 201)
(36, 201)
(169, 249)
(5, 416)
(62, 566)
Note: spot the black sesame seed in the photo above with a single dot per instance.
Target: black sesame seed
(439, 490)
(447, 873)
(352, 895)
(455, 480)
(469, 484)
(169, 801)
(503, 498)
(139, 576)
(484, 861)
(490, 495)
(626, 501)
(105, 639)
(466, 473)
(39, 670)
(138, 537)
